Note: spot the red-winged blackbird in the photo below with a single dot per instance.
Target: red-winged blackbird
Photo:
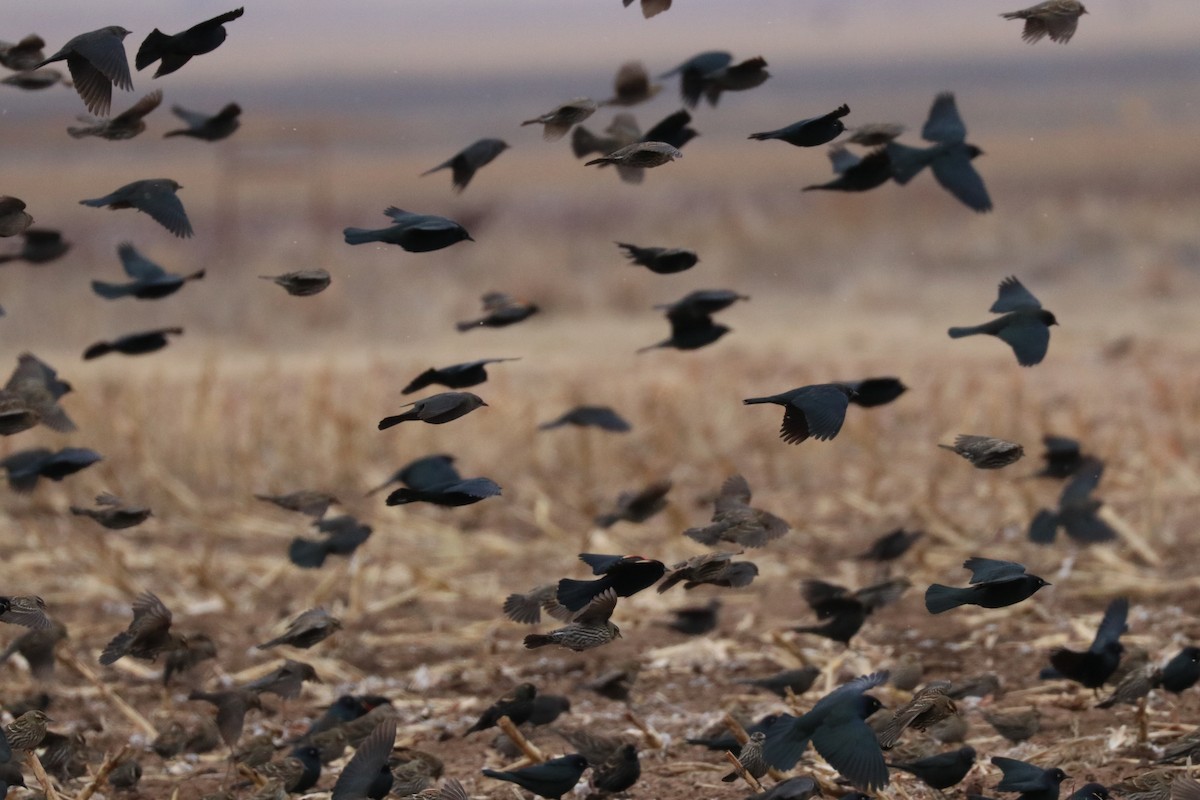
(310, 628)
(751, 758)
(302, 283)
(471, 158)
(458, 492)
(1057, 19)
(702, 302)
(874, 134)
(214, 128)
(126, 125)
(28, 612)
(615, 684)
(733, 519)
(150, 281)
(928, 707)
(344, 534)
(517, 705)
(155, 197)
(1094, 666)
(556, 123)
(285, 680)
(231, 710)
(97, 61)
(855, 174)
(726, 78)
(23, 55)
(602, 417)
(693, 71)
(1024, 325)
(37, 385)
(949, 157)
(367, 774)
(25, 467)
(637, 507)
(423, 472)
(940, 771)
(625, 575)
(994, 584)
(798, 681)
(891, 545)
(455, 376)
(551, 779)
(500, 311)
(113, 513)
(305, 501)
(133, 344)
(1076, 512)
(1034, 783)
(716, 569)
(148, 635)
(1183, 671)
(816, 411)
(415, 233)
(436, 409)
(173, 51)
(660, 260)
(872, 392)
(811, 132)
(801, 788)
(10, 776)
(589, 628)
(985, 452)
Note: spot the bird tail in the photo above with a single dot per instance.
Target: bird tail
(958, 333)
(97, 350)
(601, 160)
(763, 136)
(118, 647)
(98, 202)
(80, 133)
(270, 644)
(110, 291)
(195, 276)
(403, 496)
(443, 165)
(907, 162)
(467, 325)
(153, 48)
(1016, 14)
(584, 142)
(751, 401)
(388, 422)
(500, 776)
(534, 641)
(359, 235)
(650, 347)
(939, 598)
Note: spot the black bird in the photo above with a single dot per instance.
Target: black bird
(343, 535)
(619, 771)
(891, 545)
(176, 50)
(154, 196)
(424, 471)
(1034, 783)
(1063, 457)
(310, 758)
(702, 302)
(25, 467)
(40, 246)
(942, 770)
(673, 129)
(1096, 791)
(949, 157)
(500, 311)
(367, 774)
(517, 705)
(455, 376)
(691, 321)
(133, 344)
(695, 620)
(301, 283)
(437, 409)
(1094, 666)
(855, 173)
(637, 507)
(871, 392)
(798, 681)
(1024, 326)
(346, 708)
(602, 417)
(660, 260)
(726, 741)
(800, 788)
(626, 575)
(97, 61)
(811, 132)
(692, 73)
(994, 584)
(734, 78)
(816, 411)
(844, 611)
(551, 779)
(464, 164)
(416, 233)
(1076, 513)
(150, 281)
(207, 127)
(1181, 672)
(310, 628)
(547, 708)
(837, 728)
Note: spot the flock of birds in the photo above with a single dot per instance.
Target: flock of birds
(848, 726)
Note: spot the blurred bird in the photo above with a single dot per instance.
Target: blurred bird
(811, 132)
(126, 125)
(843, 611)
(872, 392)
(35, 79)
(547, 708)
(125, 776)
(1016, 724)
(551, 779)
(432, 470)
(501, 310)
(310, 628)
(949, 157)
(97, 61)
(691, 321)
(994, 584)
(1024, 326)
(940, 771)
(738, 77)
(695, 620)
(113, 513)
(1185, 747)
(37, 647)
(155, 197)
(874, 134)
(674, 129)
(735, 521)
(602, 417)
(527, 608)
(637, 507)
(817, 411)
(625, 575)
(837, 728)
(798, 681)
(589, 628)
(26, 732)
(436, 409)
(455, 376)
(10, 776)
(301, 283)
(286, 680)
(28, 612)
(178, 49)
(1093, 667)
(344, 534)
(660, 260)
(15, 414)
(631, 85)
(1054, 18)
(891, 546)
(928, 707)
(651, 8)
(702, 302)
(195, 650)
(715, 569)
(1077, 511)
(622, 131)
(617, 773)
(1063, 457)
(415, 233)
(555, 124)
(39, 389)
(433, 479)
(303, 501)
(148, 635)
(13, 217)
(23, 55)
(855, 174)
(150, 281)
(25, 467)
(40, 246)
(985, 452)
(1034, 783)
(207, 127)
(640, 155)
(616, 684)
(231, 708)
(473, 157)
(693, 72)
(367, 774)
(800, 788)
(517, 705)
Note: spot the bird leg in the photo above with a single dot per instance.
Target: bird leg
(39, 772)
(532, 753)
(110, 763)
(741, 771)
(652, 739)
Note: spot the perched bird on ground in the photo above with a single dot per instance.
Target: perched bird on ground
(695, 620)
(471, 158)
(1034, 783)
(719, 738)
(1093, 667)
(156, 197)
(38, 387)
(13, 217)
(436, 409)
(942, 770)
(27, 731)
(527, 608)
(735, 521)
(25, 467)
(928, 707)
(891, 546)
(196, 649)
(1076, 513)
(126, 125)
(455, 376)
(837, 728)
(816, 411)
(660, 260)
(1024, 326)
(619, 771)
(150, 281)
(22, 55)
(874, 134)
(343, 535)
(500, 311)
(985, 452)
(547, 708)
(178, 49)
(231, 711)
(625, 575)
(994, 584)
(286, 680)
(367, 774)
(1016, 724)
(125, 776)
(615, 756)
(113, 513)
(310, 628)
(811, 132)
(843, 612)
(602, 417)
(207, 127)
(555, 124)
(97, 61)
(631, 85)
(637, 507)
(798, 681)
(37, 647)
(148, 635)
(1186, 746)
(872, 392)
(949, 157)
(517, 705)
(40, 246)
(1054, 18)
(590, 627)
(855, 174)
(28, 612)
(715, 569)
(415, 233)
(640, 155)
(551, 779)
(302, 283)
(303, 501)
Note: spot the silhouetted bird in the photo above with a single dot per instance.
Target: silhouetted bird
(40, 246)
(113, 513)
(1016, 724)
(927, 707)
(303, 501)
(310, 628)
(551, 779)
(735, 521)
(436, 409)
(843, 611)
(1063, 457)
(734, 78)
(97, 61)
(985, 452)
(231, 708)
(207, 127)
(37, 647)
(433, 479)
(13, 217)
(344, 535)
(517, 705)
(155, 197)
(25, 467)
(1183, 671)
(1094, 666)
(674, 129)
(640, 155)
(556, 123)
(942, 770)
(27, 731)
(855, 174)
(695, 620)
(150, 281)
(994, 584)
(871, 392)
(178, 49)
(36, 384)
(816, 411)
(811, 132)
(1077, 511)
(837, 728)
(692, 73)
(500, 311)
(302, 283)
(148, 635)
(874, 134)
(715, 569)
(591, 627)
(126, 125)
(455, 376)
(28, 612)
(660, 260)
(23, 55)
(1034, 783)
(637, 507)
(691, 322)
(473, 157)
(602, 417)
(949, 157)
(1024, 326)
(631, 85)
(626, 575)
(429, 470)
(1054, 18)
(891, 545)
(798, 681)
(415, 233)
(367, 774)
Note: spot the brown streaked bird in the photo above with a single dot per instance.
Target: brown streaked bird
(436, 409)
(13, 217)
(591, 627)
(148, 635)
(207, 127)
(196, 649)
(751, 758)
(500, 311)
(27, 731)
(313, 626)
(28, 612)
(1016, 723)
(37, 384)
(37, 648)
(640, 155)
(173, 51)
(558, 122)
(285, 680)
(113, 513)
(1057, 19)
(97, 62)
(985, 452)
(735, 521)
(517, 705)
(126, 125)
(637, 506)
(632, 86)
(24, 55)
(716, 569)
(231, 708)
(928, 706)
(303, 501)
(303, 282)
